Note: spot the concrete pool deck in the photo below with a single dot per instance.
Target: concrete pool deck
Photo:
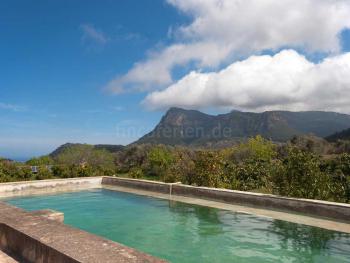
(46, 237)
(34, 238)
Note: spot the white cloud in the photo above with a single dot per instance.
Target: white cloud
(93, 34)
(225, 29)
(12, 107)
(286, 81)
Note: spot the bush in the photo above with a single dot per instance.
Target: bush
(40, 161)
(256, 148)
(136, 173)
(133, 156)
(339, 169)
(159, 160)
(209, 169)
(254, 174)
(43, 173)
(182, 168)
(61, 171)
(301, 176)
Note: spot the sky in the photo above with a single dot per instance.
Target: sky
(104, 72)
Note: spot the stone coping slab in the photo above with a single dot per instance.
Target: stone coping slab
(4, 258)
(48, 186)
(35, 238)
(261, 212)
(50, 214)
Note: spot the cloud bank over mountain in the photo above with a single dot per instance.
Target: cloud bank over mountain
(286, 81)
(224, 31)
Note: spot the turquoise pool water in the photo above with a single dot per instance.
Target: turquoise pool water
(182, 233)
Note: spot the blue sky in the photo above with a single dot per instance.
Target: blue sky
(106, 71)
(52, 78)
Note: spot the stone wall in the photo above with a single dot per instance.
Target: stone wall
(158, 187)
(47, 186)
(316, 208)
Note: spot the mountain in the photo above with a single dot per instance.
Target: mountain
(192, 127)
(107, 147)
(343, 135)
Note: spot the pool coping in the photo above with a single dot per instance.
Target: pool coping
(260, 212)
(35, 238)
(46, 186)
(313, 208)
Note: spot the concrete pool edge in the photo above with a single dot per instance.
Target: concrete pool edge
(313, 208)
(48, 186)
(260, 212)
(34, 238)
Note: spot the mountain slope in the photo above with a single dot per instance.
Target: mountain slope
(72, 146)
(343, 135)
(191, 127)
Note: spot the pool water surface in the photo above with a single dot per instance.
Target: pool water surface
(182, 232)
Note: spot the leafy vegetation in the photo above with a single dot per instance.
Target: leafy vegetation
(305, 167)
(296, 169)
(76, 161)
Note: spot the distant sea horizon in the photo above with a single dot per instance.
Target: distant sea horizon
(18, 158)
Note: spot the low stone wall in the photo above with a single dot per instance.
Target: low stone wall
(35, 238)
(337, 211)
(28, 248)
(158, 187)
(47, 186)
(309, 207)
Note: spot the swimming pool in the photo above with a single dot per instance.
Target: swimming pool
(182, 232)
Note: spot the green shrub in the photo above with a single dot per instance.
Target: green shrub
(182, 167)
(301, 176)
(159, 160)
(136, 173)
(43, 173)
(253, 174)
(61, 171)
(40, 161)
(209, 169)
(339, 170)
(256, 148)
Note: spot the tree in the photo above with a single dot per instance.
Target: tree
(182, 168)
(209, 169)
(256, 148)
(43, 160)
(339, 170)
(96, 161)
(301, 176)
(159, 160)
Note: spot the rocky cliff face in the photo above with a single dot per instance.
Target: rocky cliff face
(191, 127)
